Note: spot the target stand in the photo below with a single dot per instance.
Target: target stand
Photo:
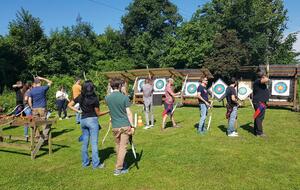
(31, 144)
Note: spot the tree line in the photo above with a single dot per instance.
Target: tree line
(222, 35)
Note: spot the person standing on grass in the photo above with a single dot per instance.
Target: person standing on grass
(37, 101)
(169, 104)
(18, 87)
(27, 109)
(89, 109)
(232, 107)
(148, 103)
(202, 95)
(61, 101)
(122, 122)
(76, 90)
(260, 99)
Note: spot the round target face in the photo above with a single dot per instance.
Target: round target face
(192, 88)
(142, 84)
(159, 84)
(219, 89)
(281, 87)
(242, 90)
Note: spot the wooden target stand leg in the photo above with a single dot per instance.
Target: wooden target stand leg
(35, 147)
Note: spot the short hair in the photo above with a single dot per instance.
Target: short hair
(115, 83)
(170, 79)
(77, 79)
(261, 74)
(233, 80)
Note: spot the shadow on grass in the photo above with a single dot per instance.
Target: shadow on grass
(10, 127)
(58, 133)
(248, 127)
(222, 128)
(170, 125)
(130, 160)
(105, 153)
(44, 150)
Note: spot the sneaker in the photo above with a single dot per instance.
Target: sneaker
(235, 132)
(60, 118)
(100, 166)
(176, 126)
(119, 172)
(262, 135)
(151, 126)
(67, 117)
(232, 135)
(147, 127)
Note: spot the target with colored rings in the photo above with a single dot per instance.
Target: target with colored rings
(160, 84)
(219, 89)
(191, 88)
(141, 83)
(281, 87)
(242, 90)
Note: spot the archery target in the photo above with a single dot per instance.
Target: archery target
(191, 88)
(141, 83)
(218, 89)
(243, 91)
(281, 87)
(160, 84)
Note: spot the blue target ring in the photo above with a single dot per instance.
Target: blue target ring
(142, 84)
(192, 88)
(219, 89)
(242, 90)
(280, 87)
(159, 84)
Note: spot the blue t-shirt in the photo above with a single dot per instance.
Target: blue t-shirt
(38, 96)
(203, 92)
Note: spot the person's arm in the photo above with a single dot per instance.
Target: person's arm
(49, 82)
(17, 85)
(30, 102)
(71, 106)
(99, 113)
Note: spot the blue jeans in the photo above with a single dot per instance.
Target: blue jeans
(78, 117)
(203, 111)
(232, 119)
(90, 131)
(27, 112)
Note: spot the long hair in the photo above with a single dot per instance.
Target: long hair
(88, 89)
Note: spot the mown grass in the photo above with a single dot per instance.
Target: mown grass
(173, 159)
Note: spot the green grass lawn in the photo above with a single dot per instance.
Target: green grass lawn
(173, 159)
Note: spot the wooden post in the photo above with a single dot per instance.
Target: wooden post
(134, 89)
(50, 142)
(295, 102)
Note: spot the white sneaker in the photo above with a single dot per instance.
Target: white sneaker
(151, 126)
(147, 127)
(235, 133)
(232, 135)
(60, 118)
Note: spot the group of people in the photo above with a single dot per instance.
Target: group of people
(260, 98)
(32, 98)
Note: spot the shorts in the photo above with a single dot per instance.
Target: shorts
(168, 109)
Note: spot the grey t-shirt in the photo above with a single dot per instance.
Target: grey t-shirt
(147, 94)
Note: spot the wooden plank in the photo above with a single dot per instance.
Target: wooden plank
(14, 145)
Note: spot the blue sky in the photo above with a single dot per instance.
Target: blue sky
(102, 13)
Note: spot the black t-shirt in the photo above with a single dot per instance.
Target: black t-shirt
(203, 92)
(260, 92)
(230, 90)
(87, 105)
(19, 95)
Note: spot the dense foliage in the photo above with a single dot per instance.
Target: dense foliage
(222, 35)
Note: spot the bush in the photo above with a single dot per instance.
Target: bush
(8, 100)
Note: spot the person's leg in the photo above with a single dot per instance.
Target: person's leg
(173, 120)
(151, 114)
(64, 108)
(146, 109)
(232, 120)
(255, 120)
(59, 107)
(27, 112)
(85, 143)
(203, 110)
(164, 121)
(93, 125)
(117, 138)
(122, 150)
(259, 121)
